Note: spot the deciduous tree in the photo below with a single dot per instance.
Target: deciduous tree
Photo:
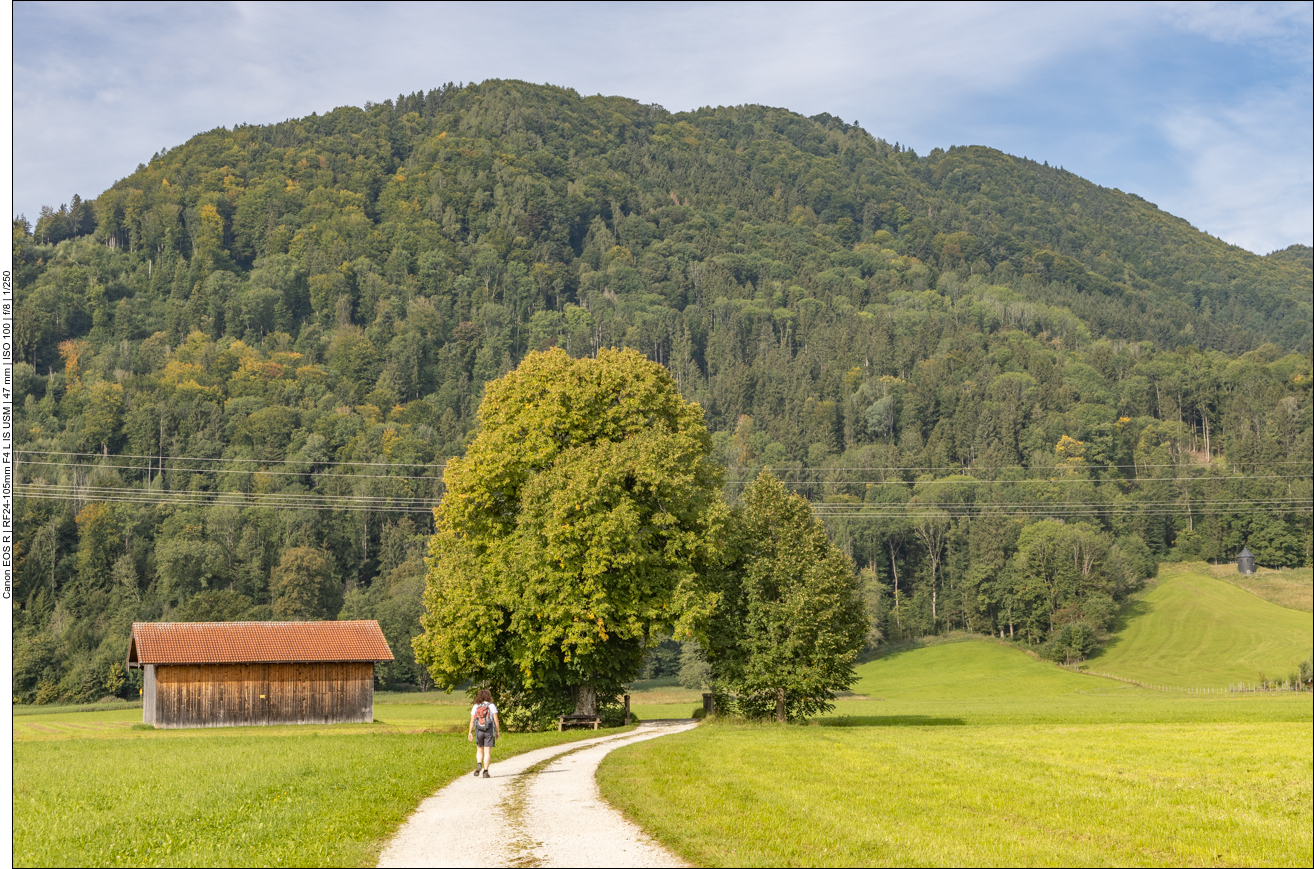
(571, 530)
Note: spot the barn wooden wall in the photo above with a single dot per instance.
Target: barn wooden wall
(227, 695)
(148, 695)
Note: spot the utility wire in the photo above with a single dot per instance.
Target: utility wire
(772, 468)
(172, 470)
(207, 459)
(319, 475)
(299, 501)
(234, 499)
(1048, 482)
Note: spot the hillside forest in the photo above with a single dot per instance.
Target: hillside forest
(1008, 392)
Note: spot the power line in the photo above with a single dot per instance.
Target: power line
(1064, 513)
(963, 470)
(1136, 480)
(287, 501)
(172, 470)
(214, 503)
(837, 482)
(399, 503)
(209, 459)
(772, 468)
(1184, 504)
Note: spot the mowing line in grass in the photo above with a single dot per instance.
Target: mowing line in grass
(1192, 630)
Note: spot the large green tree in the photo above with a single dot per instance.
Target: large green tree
(790, 618)
(571, 530)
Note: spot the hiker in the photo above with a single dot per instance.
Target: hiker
(484, 730)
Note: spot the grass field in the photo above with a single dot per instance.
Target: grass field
(1289, 587)
(1193, 630)
(92, 789)
(967, 752)
(972, 753)
(663, 698)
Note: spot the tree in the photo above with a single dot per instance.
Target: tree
(790, 618)
(299, 585)
(98, 542)
(570, 533)
(932, 528)
(102, 414)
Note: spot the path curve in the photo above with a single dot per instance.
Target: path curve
(540, 808)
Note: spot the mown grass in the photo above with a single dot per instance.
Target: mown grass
(104, 706)
(973, 753)
(1198, 631)
(978, 681)
(1139, 794)
(89, 789)
(400, 713)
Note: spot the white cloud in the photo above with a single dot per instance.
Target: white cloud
(1243, 22)
(100, 87)
(1248, 184)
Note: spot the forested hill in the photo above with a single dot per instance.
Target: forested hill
(246, 362)
(528, 170)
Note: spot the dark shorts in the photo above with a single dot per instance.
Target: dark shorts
(485, 739)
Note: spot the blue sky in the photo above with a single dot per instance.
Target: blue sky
(1204, 109)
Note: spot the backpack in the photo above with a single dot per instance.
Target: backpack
(483, 719)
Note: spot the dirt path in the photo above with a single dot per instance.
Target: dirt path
(541, 808)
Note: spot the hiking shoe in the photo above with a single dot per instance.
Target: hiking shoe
(486, 775)
(477, 768)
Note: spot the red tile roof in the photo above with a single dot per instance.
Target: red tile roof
(256, 642)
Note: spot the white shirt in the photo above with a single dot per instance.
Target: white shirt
(492, 709)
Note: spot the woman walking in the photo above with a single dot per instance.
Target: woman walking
(484, 730)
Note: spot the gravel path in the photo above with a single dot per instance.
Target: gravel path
(541, 808)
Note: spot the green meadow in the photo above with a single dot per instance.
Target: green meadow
(973, 753)
(966, 752)
(97, 788)
(1192, 629)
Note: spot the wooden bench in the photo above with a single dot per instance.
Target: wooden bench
(577, 720)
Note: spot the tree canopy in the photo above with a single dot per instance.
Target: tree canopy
(571, 529)
(789, 620)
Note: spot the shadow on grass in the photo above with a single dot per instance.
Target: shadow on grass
(889, 721)
(890, 650)
(1130, 610)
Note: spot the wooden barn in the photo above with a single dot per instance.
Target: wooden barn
(225, 674)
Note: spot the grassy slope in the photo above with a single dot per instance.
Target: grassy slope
(1194, 630)
(978, 754)
(1290, 587)
(91, 790)
(983, 682)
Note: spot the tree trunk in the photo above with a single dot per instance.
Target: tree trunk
(780, 706)
(586, 699)
(894, 569)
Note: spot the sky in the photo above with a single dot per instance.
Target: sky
(1204, 109)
